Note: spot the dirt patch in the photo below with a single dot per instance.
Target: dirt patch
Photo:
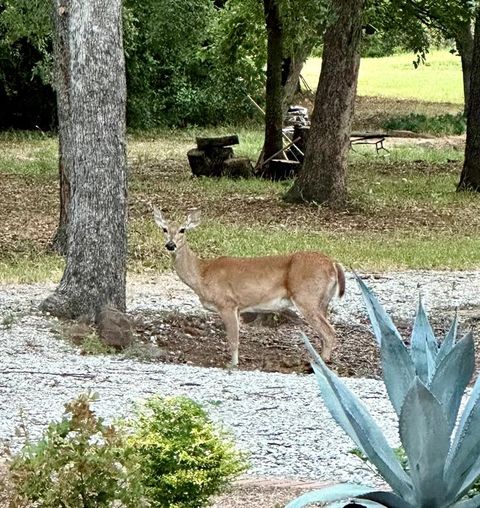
(264, 493)
(273, 343)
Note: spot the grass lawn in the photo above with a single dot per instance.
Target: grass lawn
(440, 80)
(403, 213)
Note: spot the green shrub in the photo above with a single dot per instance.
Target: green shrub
(439, 125)
(78, 463)
(185, 458)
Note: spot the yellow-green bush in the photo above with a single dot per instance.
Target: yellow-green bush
(184, 457)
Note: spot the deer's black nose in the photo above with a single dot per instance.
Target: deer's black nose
(170, 245)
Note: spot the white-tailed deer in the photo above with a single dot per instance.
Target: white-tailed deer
(305, 281)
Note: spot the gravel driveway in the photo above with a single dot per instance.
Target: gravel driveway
(279, 419)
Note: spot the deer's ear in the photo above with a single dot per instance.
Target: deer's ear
(193, 218)
(159, 218)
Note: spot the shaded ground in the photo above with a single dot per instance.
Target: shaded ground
(273, 344)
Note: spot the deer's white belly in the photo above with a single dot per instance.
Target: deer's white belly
(275, 305)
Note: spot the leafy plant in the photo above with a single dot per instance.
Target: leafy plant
(94, 345)
(80, 462)
(184, 457)
(440, 124)
(425, 384)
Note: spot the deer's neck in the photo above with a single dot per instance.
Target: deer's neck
(187, 266)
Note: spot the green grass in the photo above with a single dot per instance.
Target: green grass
(440, 80)
(362, 251)
(21, 268)
(404, 212)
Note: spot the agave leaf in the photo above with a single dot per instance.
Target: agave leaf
(346, 407)
(397, 367)
(449, 340)
(471, 478)
(466, 445)
(387, 499)
(380, 320)
(424, 346)
(426, 440)
(452, 376)
(330, 494)
(473, 502)
(334, 405)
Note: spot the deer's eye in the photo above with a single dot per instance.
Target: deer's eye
(165, 230)
(181, 231)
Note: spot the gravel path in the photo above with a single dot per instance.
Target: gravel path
(279, 419)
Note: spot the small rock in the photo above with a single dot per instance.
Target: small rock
(115, 328)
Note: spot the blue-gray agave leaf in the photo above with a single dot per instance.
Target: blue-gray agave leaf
(465, 448)
(334, 405)
(449, 340)
(452, 376)
(473, 502)
(397, 367)
(329, 494)
(387, 499)
(426, 439)
(362, 429)
(378, 317)
(424, 346)
(470, 479)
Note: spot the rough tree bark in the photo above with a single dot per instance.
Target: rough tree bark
(95, 269)
(464, 43)
(470, 177)
(273, 103)
(322, 177)
(62, 86)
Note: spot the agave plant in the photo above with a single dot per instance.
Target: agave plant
(425, 384)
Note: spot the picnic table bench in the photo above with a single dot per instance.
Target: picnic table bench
(368, 138)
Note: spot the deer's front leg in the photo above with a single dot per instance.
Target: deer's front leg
(230, 320)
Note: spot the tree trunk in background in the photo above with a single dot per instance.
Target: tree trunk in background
(464, 43)
(61, 9)
(291, 79)
(95, 269)
(470, 177)
(322, 177)
(274, 92)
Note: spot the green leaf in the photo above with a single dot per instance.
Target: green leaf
(452, 376)
(397, 367)
(424, 346)
(329, 494)
(426, 439)
(381, 321)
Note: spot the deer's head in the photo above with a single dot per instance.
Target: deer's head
(174, 233)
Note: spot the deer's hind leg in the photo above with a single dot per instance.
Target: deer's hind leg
(230, 320)
(314, 315)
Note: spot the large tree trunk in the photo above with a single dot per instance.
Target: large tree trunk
(61, 18)
(464, 43)
(322, 177)
(95, 269)
(273, 104)
(470, 177)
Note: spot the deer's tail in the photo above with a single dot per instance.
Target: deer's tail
(340, 280)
